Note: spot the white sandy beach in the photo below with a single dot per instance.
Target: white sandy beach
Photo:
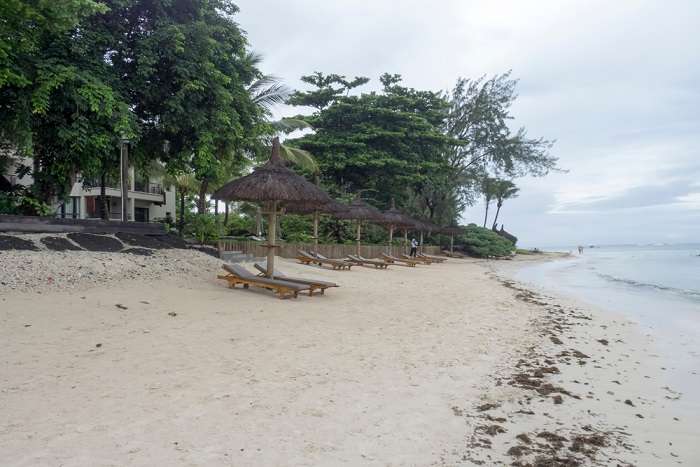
(176, 369)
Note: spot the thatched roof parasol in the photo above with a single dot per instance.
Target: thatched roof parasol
(360, 211)
(332, 207)
(395, 219)
(273, 181)
(452, 231)
(273, 184)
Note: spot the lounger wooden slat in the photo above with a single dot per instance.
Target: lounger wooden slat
(239, 275)
(364, 261)
(417, 258)
(435, 259)
(307, 258)
(320, 259)
(315, 285)
(398, 261)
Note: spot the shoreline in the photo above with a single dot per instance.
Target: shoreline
(437, 365)
(606, 371)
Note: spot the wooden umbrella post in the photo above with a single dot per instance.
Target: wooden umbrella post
(391, 238)
(405, 240)
(359, 233)
(452, 243)
(421, 242)
(271, 240)
(316, 231)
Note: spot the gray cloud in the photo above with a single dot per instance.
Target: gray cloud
(616, 83)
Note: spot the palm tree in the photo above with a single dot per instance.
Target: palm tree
(184, 183)
(502, 190)
(487, 189)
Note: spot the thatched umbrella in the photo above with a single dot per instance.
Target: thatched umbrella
(360, 211)
(395, 219)
(452, 231)
(332, 207)
(430, 228)
(274, 185)
(424, 226)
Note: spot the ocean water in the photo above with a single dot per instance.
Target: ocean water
(657, 287)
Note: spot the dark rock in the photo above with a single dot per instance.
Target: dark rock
(93, 242)
(172, 241)
(8, 242)
(144, 241)
(138, 251)
(211, 251)
(59, 244)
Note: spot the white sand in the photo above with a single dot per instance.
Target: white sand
(385, 370)
(367, 374)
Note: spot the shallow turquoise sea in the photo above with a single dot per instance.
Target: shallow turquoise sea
(656, 286)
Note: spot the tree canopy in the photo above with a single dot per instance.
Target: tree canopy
(428, 150)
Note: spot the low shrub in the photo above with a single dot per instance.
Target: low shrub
(204, 228)
(484, 243)
(22, 203)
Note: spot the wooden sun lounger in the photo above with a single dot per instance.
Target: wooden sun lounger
(452, 255)
(240, 275)
(363, 261)
(418, 258)
(307, 258)
(312, 283)
(433, 258)
(398, 261)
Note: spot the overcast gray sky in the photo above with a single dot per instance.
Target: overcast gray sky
(616, 83)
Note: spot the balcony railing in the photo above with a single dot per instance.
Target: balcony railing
(140, 186)
(146, 187)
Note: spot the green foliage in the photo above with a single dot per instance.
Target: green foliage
(22, 203)
(484, 243)
(240, 225)
(297, 228)
(204, 228)
(389, 142)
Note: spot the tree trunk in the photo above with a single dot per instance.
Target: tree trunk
(486, 216)
(202, 204)
(226, 213)
(498, 210)
(104, 206)
(216, 208)
(181, 220)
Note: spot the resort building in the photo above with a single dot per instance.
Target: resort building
(148, 199)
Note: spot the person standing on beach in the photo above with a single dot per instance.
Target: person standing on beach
(414, 247)
(580, 250)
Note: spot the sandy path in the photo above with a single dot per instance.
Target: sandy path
(367, 375)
